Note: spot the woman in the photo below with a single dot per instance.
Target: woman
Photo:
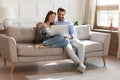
(43, 37)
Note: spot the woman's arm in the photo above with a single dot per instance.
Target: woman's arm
(39, 24)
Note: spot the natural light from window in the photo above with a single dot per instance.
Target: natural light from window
(105, 10)
(51, 79)
(107, 2)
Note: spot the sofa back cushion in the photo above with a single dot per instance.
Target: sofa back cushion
(83, 31)
(21, 34)
(27, 34)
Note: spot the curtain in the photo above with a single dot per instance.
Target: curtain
(90, 12)
(118, 53)
(1, 26)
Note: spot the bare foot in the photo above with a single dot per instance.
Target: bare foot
(41, 46)
(37, 46)
(45, 47)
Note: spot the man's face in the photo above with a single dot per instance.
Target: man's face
(61, 15)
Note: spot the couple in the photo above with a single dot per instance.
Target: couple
(69, 41)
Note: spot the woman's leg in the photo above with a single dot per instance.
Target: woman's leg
(53, 40)
(60, 44)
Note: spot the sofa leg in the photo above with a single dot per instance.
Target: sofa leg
(12, 68)
(85, 59)
(5, 61)
(104, 62)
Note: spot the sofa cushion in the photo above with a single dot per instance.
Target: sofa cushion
(92, 46)
(83, 31)
(21, 34)
(27, 49)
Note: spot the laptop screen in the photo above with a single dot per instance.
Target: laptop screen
(58, 29)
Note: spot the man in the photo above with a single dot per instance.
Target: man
(73, 41)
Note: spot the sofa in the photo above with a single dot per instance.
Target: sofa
(16, 45)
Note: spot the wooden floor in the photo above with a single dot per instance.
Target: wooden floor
(23, 69)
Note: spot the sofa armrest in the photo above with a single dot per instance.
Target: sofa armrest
(102, 37)
(8, 48)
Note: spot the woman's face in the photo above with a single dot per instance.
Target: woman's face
(52, 18)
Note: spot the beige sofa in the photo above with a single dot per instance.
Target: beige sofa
(16, 46)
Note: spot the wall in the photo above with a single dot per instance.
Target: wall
(0, 3)
(0, 20)
(29, 12)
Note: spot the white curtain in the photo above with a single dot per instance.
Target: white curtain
(1, 26)
(118, 53)
(90, 12)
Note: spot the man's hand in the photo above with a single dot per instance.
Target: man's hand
(68, 37)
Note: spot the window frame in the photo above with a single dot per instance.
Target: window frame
(104, 8)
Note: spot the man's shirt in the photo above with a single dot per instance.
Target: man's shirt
(71, 30)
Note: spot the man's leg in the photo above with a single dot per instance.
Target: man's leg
(71, 53)
(81, 54)
(80, 48)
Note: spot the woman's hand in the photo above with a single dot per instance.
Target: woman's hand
(39, 24)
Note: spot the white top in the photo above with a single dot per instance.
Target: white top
(48, 30)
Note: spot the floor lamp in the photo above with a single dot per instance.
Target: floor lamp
(7, 14)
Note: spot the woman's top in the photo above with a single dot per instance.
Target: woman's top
(40, 34)
(48, 30)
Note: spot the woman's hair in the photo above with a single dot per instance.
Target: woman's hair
(48, 15)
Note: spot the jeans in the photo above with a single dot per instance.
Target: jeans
(56, 41)
(79, 57)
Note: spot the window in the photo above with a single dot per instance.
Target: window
(105, 11)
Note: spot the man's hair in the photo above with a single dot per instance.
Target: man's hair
(61, 9)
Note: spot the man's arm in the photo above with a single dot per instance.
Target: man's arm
(72, 32)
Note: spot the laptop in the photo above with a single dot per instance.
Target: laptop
(59, 29)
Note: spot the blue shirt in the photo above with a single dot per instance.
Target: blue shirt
(71, 29)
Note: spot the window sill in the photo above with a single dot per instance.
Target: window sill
(106, 31)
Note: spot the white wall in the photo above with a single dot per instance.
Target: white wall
(0, 19)
(0, 3)
(29, 12)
